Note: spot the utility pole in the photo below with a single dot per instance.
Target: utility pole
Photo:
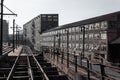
(16, 36)
(13, 34)
(1, 32)
(1, 28)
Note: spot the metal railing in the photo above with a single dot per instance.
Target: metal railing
(95, 73)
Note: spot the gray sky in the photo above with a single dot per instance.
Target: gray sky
(68, 10)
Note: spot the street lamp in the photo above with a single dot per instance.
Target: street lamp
(83, 29)
(67, 32)
(17, 35)
(13, 34)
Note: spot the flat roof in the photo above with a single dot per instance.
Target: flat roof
(106, 17)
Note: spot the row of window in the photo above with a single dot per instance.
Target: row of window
(101, 47)
(95, 26)
(77, 37)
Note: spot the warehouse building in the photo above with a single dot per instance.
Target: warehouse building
(93, 38)
(36, 26)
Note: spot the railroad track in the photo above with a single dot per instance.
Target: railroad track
(27, 66)
(7, 49)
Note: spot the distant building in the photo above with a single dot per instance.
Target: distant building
(36, 26)
(5, 31)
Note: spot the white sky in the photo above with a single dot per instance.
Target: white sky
(69, 10)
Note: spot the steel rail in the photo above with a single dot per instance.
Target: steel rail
(6, 50)
(29, 68)
(5, 53)
(39, 66)
(13, 68)
(44, 74)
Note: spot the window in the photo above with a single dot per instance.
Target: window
(55, 16)
(91, 36)
(77, 45)
(96, 46)
(103, 47)
(77, 36)
(69, 30)
(81, 36)
(90, 46)
(70, 37)
(73, 29)
(55, 19)
(86, 27)
(49, 19)
(63, 30)
(70, 46)
(81, 46)
(77, 29)
(74, 45)
(91, 27)
(103, 36)
(104, 25)
(43, 15)
(96, 36)
(86, 36)
(73, 37)
(86, 46)
(97, 26)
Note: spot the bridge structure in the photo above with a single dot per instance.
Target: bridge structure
(27, 64)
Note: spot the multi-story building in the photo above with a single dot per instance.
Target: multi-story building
(36, 26)
(5, 31)
(97, 37)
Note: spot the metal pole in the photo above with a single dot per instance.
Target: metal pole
(102, 72)
(57, 55)
(62, 56)
(1, 34)
(88, 69)
(25, 37)
(54, 48)
(16, 37)
(67, 48)
(13, 34)
(75, 63)
(83, 28)
(51, 52)
(102, 68)
(81, 59)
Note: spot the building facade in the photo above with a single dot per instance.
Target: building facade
(36, 26)
(93, 38)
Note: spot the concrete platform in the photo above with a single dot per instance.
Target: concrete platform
(16, 52)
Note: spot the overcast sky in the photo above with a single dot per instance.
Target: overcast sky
(68, 10)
